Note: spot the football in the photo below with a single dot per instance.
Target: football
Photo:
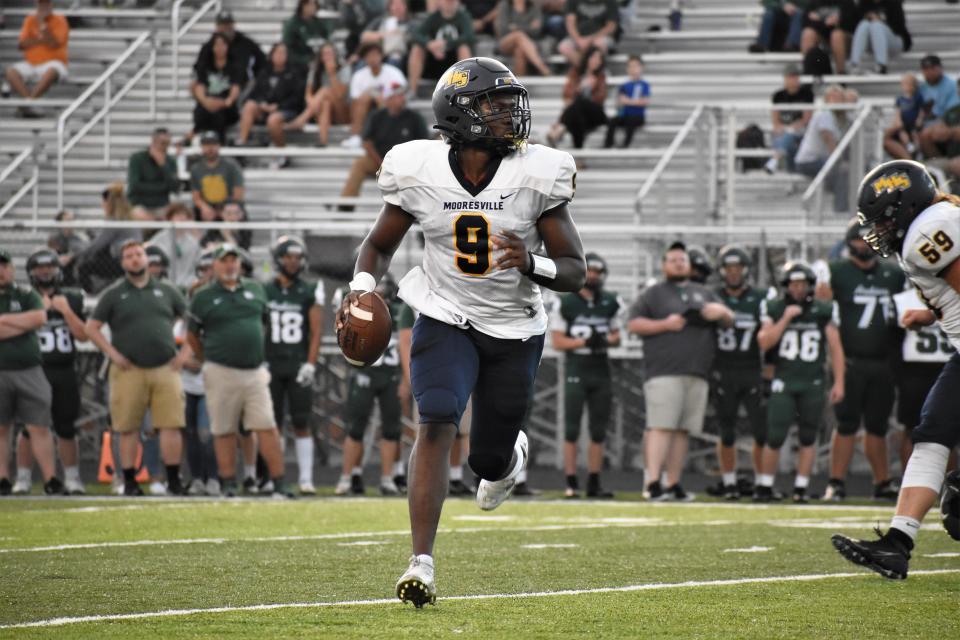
(366, 333)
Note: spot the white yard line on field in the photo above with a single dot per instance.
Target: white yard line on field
(753, 549)
(654, 586)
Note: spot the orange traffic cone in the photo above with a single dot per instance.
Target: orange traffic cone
(107, 468)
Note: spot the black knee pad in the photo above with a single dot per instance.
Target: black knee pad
(489, 466)
(878, 429)
(65, 430)
(848, 428)
(950, 505)
(807, 437)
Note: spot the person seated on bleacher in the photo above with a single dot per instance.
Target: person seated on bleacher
(883, 28)
(326, 94)
(245, 53)
(818, 143)
(940, 97)
(518, 26)
(830, 23)
(152, 177)
(788, 126)
(355, 15)
(232, 212)
(276, 98)
(776, 15)
(392, 32)
(368, 89)
(303, 33)
(443, 38)
(484, 14)
(584, 94)
(43, 40)
(632, 100)
(590, 24)
(216, 87)
(390, 125)
(214, 180)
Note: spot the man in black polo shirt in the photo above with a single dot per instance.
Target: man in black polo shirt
(225, 331)
(145, 365)
(385, 128)
(788, 126)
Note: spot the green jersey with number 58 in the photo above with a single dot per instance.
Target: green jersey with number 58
(56, 341)
(800, 355)
(867, 314)
(288, 332)
(737, 346)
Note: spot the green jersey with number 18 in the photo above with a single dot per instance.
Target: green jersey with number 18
(800, 355)
(458, 282)
(288, 334)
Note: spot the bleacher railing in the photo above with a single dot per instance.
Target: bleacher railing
(111, 97)
(177, 32)
(31, 184)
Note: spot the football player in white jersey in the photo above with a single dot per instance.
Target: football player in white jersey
(903, 213)
(486, 202)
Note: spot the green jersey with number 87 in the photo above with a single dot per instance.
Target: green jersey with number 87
(737, 346)
(800, 355)
(288, 334)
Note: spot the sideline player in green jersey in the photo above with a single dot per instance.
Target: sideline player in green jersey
(737, 367)
(292, 346)
(800, 330)
(584, 325)
(863, 288)
(383, 382)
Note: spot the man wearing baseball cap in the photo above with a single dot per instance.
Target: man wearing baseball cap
(225, 331)
(214, 180)
(244, 51)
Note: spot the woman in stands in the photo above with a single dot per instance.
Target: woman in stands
(883, 27)
(101, 258)
(829, 23)
(326, 94)
(584, 93)
(216, 88)
(517, 26)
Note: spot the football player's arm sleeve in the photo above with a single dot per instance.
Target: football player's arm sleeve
(562, 243)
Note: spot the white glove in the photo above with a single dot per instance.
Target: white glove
(306, 374)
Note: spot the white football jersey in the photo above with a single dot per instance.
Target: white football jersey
(932, 243)
(458, 282)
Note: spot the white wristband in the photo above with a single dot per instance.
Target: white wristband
(544, 267)
(363, 281)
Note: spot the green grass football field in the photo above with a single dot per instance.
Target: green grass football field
(256, 568)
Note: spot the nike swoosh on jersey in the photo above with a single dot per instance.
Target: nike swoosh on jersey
(508, 195)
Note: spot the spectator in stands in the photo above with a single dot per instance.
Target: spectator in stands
(368, 89)
(484, 14)
(326, 94)
(939, 96)
(25, 395)
(43, 40)
(591, 24)
(101, 258)
(584, 93)
(788, 126)
(355, 15)
(554, 18)
(228, 339)
(303, 33)
(632, 100)
(390, 125)
(145, 364)
(68, 243)
(778, 14)
(180, 244)
(677, 319)
(829, 22)
(445, 36)
(245, 53)
(517, 27)
(902, 140)
(216, 87)
(152, 177)
(392, 32)
(276, 98)
(214, 179)
(818, 143)
(232, 212)
(883, 27)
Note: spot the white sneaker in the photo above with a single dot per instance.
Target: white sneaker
(116, 486)
(74, 487)
(157, 488)
(353, 142)
(491, 494)
(771, 165)
(213, 487)
(388, 487)
(307, 489)
(196, 488)
(22, 487)
(417, 584)
(343, 487)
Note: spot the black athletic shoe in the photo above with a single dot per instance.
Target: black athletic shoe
(731, 493)
(800, 496)
(887, 556)
(654, 492)
(250, 486)
(676, 493)
(459, 488)
(5, 487)
(766, 494)
(401, 481)
(598, 492)
(175, 487)
(53, 487)
(524, 491)
(886, 491)
(356, 485)
(129, 490)
(716, 490)
(229, 489)
(282, 491)
(836, 491)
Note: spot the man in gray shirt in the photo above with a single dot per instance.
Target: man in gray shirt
(677, 319)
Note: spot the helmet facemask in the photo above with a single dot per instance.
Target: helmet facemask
(882, 233)
(500, 117)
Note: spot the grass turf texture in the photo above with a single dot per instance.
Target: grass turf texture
(307, 551)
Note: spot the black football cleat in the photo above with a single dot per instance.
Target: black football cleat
(5, 487)
(459, 488)
(886, 556)
(950, 505)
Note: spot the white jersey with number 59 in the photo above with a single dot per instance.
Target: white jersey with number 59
(931, 245)
(458, 282)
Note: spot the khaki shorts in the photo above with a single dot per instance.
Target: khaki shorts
(235, 395)
(676, 403)
(135, 390)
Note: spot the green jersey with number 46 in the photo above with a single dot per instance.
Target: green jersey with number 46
(56, 341)
(402, 317)
(288, 334)
(800, 355)
(737, 346)
(865, 301)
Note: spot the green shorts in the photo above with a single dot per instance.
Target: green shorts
(731, 388)
(869, 391)
(286, 394)
(374, 384)
(799, 403)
